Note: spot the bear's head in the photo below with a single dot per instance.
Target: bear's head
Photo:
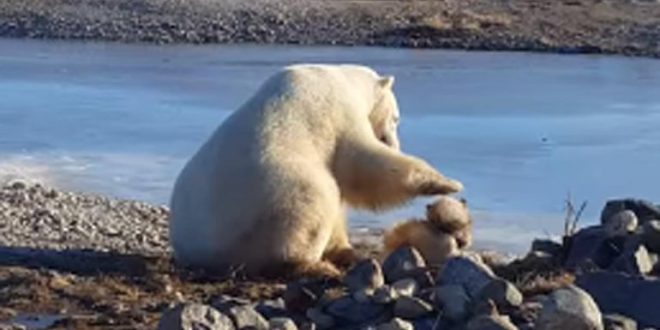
(384, 116)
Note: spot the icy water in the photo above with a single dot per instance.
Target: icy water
(522, 131)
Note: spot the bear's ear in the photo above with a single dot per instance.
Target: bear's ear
(386, 82)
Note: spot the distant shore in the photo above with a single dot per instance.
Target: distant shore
(567, 26)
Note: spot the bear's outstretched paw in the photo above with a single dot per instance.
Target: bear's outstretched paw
(439, 186)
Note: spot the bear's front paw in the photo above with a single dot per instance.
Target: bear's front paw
(439, 186)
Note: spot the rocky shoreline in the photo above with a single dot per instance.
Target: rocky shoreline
(79, 261)
(629, 27)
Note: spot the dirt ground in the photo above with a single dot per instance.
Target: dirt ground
(87, 289)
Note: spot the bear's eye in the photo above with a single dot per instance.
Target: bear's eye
(395, 120)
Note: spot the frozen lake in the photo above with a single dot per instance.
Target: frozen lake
(521, 131)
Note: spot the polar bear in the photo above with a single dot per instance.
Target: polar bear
(266, 192)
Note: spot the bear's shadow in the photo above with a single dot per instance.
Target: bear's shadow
(77, 261)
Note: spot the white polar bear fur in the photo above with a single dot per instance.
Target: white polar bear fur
(268, 188)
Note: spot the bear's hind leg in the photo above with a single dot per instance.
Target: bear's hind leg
(339, 250)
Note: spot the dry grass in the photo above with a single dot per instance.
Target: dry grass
(573, 216)
(541, 285)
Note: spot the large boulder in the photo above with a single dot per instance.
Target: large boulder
(503, 293)
(634, 259)
(348, 311)
(632, 296)
(468, 272)
(569, 308)
(384, 295)
(592, 246)
(618, 322)
(247, 317)
(396, 324)
(490, 322)
(411, 307)
(644, 210)
(453, 300)
(193, 317)
(281, 323)
(651, 235)
(299, 296)
(366, 274)
(320, 319)
(621, 223)
(272, 308)
(406, 287)
(402, 263)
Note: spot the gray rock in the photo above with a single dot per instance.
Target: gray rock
(490, 322)
(469, 273)
(634, 259)
(364, 275)
(621, 223)
(453, 300)
(320, 319)
(618, 322)
(644, 210)
(17, 184)
(281, 323)
(402, 263)
(308, 326)
(384, 295)
(526, 314)
(569, 308)
(613, 292)
(424, 279)
(298, 297)
(431, 322)
(592, 246)
(245, 316)
(363, 296)
(12, 326)
(396, 324)
(651, 235)
(427, 294)
(405, 287)
(411, 307)
(193, 317)
(271, 308)
(346, 310)
(224, 302)
(503, 293)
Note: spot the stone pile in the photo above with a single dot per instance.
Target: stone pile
(400, 293)
(613, 262)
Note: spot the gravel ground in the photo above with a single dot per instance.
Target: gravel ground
(564, 26)
(33, 216)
